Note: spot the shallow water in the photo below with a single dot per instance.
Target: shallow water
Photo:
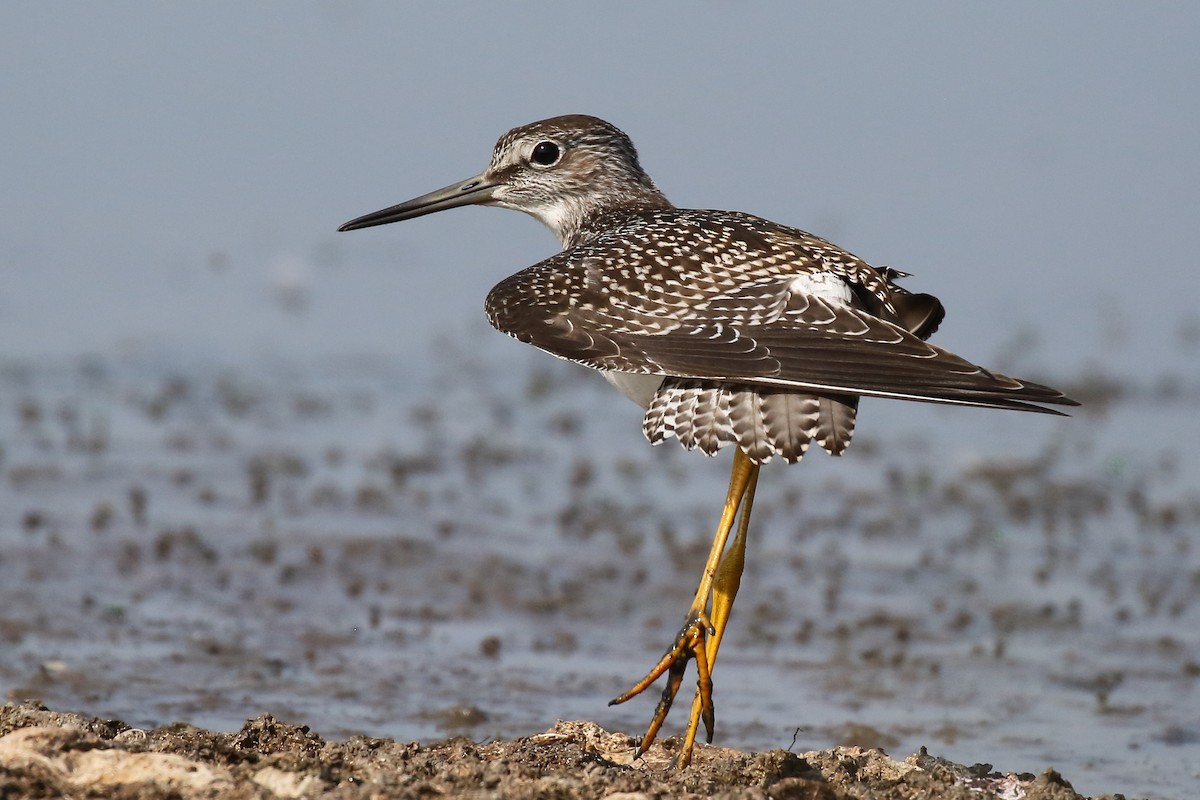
(478, 541)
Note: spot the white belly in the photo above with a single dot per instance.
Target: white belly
(638, 388)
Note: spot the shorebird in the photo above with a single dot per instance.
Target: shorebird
(728, 329)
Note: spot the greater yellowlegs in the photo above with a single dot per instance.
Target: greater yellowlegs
(725, 327)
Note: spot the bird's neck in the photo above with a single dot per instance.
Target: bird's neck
(575, 223)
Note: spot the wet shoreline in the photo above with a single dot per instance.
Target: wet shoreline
(477, 547)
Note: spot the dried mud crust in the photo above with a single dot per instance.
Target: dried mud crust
(46, 753)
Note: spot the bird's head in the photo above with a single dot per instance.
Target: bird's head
(563, 171)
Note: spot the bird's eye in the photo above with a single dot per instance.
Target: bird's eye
(545, 154)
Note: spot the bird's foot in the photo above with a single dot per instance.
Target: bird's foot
(689, 643)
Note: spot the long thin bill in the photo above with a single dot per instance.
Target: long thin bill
(470, 192)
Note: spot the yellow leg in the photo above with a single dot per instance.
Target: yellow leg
(701, 633)
(725, 589)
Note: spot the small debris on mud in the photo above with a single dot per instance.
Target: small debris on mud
(46, 753)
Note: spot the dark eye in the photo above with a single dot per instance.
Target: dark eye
(545, 153)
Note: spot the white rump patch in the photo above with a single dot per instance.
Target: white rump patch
(825, 285)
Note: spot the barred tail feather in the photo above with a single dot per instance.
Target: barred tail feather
(791, 420)
(711, 423)
(763, 423)
(659, 422)
(749, 426)
(835, 423)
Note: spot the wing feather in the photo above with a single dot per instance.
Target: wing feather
(736, 313)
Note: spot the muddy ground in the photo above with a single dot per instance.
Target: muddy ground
(46, 753)
(483, 544)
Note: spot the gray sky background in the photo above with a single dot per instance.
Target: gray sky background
(169, 170)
